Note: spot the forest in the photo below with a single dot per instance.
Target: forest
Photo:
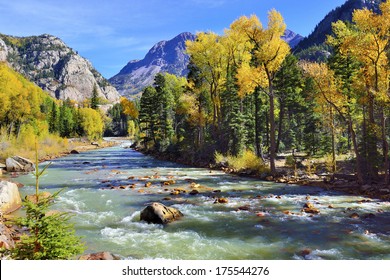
(249, 98)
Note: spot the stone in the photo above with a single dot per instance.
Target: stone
(6, 240)
(9, 197)
(305, 252)
(194, 192)
(100, 256)
(222, 200)
(19, 164)
(354, 216)
(244, 208)
(310, 209)
(148, 184)
(158, 213)
(33, 197)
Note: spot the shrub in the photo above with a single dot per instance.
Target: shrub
(247, 161)
(49, 236)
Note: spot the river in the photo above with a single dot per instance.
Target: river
(108, 219)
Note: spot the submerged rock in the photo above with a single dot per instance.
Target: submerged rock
(9, 197)
(158, 213)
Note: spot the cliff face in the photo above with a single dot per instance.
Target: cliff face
(55, 67)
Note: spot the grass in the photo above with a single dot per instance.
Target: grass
(246, 161)
(24, 146)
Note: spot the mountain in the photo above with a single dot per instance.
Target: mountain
(165, 56)
(292, 38)
(344, 13)
(55, 67)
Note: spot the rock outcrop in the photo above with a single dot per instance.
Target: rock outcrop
(56, 68)
(3, 51)
(9, 197)
(158, 213)
(19, 164)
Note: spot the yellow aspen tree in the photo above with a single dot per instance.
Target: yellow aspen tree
(268, 54)
(328, 98)
(208, 54)
(369, 42)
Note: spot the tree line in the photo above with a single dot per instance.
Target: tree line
(246, 91)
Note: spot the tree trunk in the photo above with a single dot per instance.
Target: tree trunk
(385, 148)
(372, 141)
(357, 153)
(281, 117)
(272, 153)
(333, 144)
(259, 151)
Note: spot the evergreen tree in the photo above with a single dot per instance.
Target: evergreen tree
(95, 98)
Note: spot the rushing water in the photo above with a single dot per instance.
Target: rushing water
(108, 219)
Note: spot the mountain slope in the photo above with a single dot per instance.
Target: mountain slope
(344, 13)
(165, 56)
(55, 67)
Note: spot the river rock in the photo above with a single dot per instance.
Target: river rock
(100, 256)
(310, 209)
(6, 240)
(158, 213)
(194, 192)
(222, 200)
(354, 216)
(9, 197)
(33, 197)
(74, 152)
(19, 164)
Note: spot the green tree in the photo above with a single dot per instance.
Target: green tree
(95, 98)
(50, 235)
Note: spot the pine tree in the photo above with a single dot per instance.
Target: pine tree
(95, 98)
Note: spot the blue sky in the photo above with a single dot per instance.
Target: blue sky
(111, 33)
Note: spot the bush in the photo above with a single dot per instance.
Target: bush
(247, 161)
(50, 235)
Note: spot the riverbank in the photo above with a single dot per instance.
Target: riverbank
(345, 183)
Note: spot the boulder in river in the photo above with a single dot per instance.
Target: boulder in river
(19, 164)
(310, 209)
(158, 213)
(74, 152)
(9, 197)
(41, 195)
(100, 256)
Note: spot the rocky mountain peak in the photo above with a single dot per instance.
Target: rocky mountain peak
(52, 65)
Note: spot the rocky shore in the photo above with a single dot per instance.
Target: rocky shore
(341, 182)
